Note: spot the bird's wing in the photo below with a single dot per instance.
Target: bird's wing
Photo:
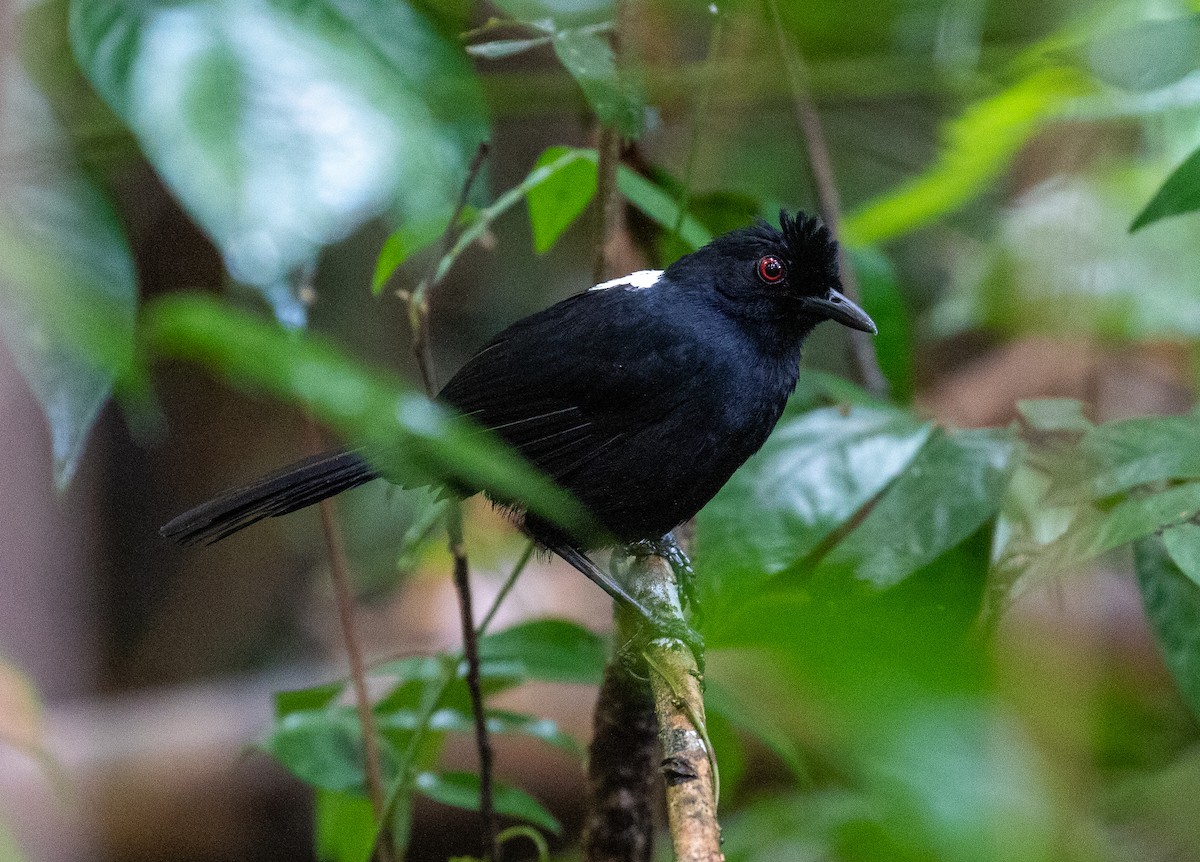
(568, 383)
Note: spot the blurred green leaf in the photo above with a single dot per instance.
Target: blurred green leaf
(1179, 194)
(614, 94)
(1117, 456)
(282, 126)
(405, 435)
(818, 468)
(555, 203)
(322, 747)
(305, 699)
(1064, 263)
(557, 14)
(451, 720)
(718, 212)
(344, 826)
(1183, 544)
(415, 235)
(660, 207)
(978, 146)
(1147, 56)
(461, 789)
(550, 650)
(952, 487)
(884, 301)
(1055, 414)
(1172, 601)
(68, 293)
(721, 701)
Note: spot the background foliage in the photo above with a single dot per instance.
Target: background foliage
(1008, 169)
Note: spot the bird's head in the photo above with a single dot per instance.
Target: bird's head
(786, 275)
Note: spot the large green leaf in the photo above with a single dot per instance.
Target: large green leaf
(1172, 601)
(322, 747)
(555, 203)
(818, 468)
(68, 294)
(1118, 456)
(943, 496)
(1183, 544)
(461, 789)
(344, 827)
(978, 145)
(550, 650)
(884, 301)
(452, 720)
(408, 437)
(282, 125)
(1179, 194)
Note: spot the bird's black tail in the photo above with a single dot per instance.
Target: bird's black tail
(303, 484)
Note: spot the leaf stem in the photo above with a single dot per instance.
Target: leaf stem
(828, 200)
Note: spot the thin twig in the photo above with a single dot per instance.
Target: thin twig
(433, 699)
(714, 44)
(462, 583)
(418, 315)
(608, 202)
(339, 567)
(828, 199)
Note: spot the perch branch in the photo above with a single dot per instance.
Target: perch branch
(828, 200)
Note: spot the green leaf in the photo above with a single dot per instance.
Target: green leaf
(816, 470)
(1118, 456)
(884, 301)
(344, 827)
(282, 126)
(406, 436)
(68, 294)
(461, 789)
(1055, 415)
(614, 94)
(1183, 544)
(322, 747)
(501, 48)
(1147, 56)
(1172, 601)
(943, 496)
(415, 235)
(660, 207)
(758, 723)
(558, 14)
(451, 720)
(1179, 194)
(558, 200)
(305, 699)
(978, 146)
(549, 650)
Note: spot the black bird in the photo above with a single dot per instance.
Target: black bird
(640, 396)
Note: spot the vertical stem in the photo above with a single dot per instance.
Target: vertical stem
(339, 567)
(828, 200)
(487, 813)
(418, 317)
(714, 44)
(609, 202)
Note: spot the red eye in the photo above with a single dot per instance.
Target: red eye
(770, 269)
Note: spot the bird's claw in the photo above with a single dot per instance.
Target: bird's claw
(668, 548)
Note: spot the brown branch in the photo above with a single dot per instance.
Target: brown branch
(418, 317)
(339, 567)
(828, 200)
(621, 758)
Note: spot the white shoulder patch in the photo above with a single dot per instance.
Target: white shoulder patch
(639, 280)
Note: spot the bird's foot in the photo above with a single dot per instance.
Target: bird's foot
(669, 549)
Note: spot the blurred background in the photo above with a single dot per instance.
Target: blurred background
(990, 159)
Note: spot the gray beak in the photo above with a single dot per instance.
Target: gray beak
(837, 307)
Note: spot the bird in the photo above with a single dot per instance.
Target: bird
(640, 396)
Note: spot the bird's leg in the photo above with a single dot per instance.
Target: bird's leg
(668, 621)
